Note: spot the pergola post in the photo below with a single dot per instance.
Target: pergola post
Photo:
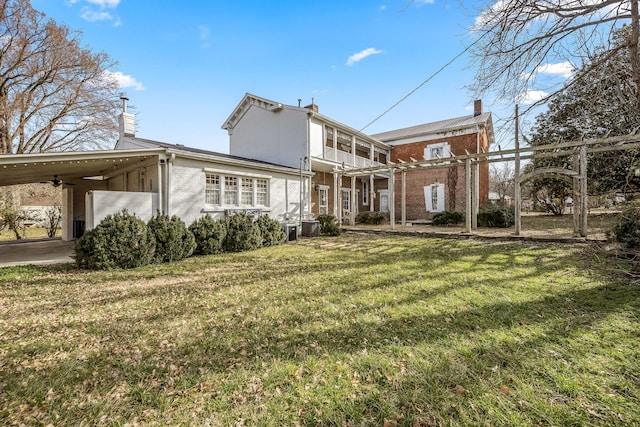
(517, 193)
(468, 207)
(584, 204)
(337, 203)
(392, 201)
(403, 206)
(372, 194)
(577, 198)
(354, 201)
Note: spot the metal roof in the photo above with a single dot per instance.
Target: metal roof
(442, 126)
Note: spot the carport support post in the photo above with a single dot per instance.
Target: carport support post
(67, 214)
(467, 176)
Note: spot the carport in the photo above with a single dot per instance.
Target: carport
(81, 172)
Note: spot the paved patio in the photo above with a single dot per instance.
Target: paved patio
(40, 252)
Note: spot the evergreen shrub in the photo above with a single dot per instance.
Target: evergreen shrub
(328, 225)
(243, 233)
(448, 218)
(496, 216)
(209, 235)
(626, 231)
(271, 231)
(121, 240)
(174, 241)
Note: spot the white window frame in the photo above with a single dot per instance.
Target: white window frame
(383, 195)
(323, 205)
(258, 192)
(444, 147)
(346, 199)
(365, 193)
(437, 190)
(212, 188)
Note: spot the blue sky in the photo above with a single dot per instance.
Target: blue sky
(186, 65)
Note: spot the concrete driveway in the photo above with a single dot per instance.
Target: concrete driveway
(40, 252)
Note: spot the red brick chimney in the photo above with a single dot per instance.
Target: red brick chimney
(477, 107)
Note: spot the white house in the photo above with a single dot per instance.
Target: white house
(146, 176)
(301, 137)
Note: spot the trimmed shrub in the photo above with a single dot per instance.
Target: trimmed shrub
(328, 225)
(121, 240)
(496, 216)
(271, 231)
(209, 235)
(627, 228)
(243, 233)
(448, 218)
(174, 241)
(368, 217)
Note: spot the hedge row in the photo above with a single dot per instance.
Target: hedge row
(123, 240)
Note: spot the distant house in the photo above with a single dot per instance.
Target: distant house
(432, 190)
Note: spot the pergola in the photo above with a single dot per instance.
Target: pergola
(576, 150)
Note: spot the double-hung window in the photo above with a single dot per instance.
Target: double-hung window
(212, 189)
(231, 190)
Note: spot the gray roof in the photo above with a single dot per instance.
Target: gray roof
(442, 126)
(222, 156)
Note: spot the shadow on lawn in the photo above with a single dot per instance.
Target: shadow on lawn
(299, 333)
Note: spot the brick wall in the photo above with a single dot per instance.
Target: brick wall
(417, 179)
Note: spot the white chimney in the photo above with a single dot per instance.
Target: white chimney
(126, 121)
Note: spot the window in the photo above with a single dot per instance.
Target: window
(212, 189)
(247, 192)
(437, 151)
(365, 193)
(262, 198)
(434, 197)
(323, 199)
(230, 190)
(346, 201)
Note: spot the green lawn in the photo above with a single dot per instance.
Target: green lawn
(355, 330)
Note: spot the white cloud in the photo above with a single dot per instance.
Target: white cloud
(562, 69)
(532, 96)
(94, 15)
(357, 57)
(123, 80)
(105, 3)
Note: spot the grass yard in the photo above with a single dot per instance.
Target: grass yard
(348, 331)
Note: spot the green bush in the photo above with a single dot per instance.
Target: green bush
(496, 216)
(368, 217)
(271, 231)
(243, 233)
(448, 218)
(174, 241)
(627, 228)
(209, 235)
(120, 241)
(328, 225)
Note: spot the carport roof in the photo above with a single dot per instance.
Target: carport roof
(68, 166)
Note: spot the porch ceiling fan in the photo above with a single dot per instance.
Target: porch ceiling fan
(56, 182)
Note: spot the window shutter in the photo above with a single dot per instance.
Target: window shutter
(427, 198)
(440, 206)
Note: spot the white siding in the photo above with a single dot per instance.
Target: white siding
(99, 204)
(187, 196)
(316, 139)
(275, 137)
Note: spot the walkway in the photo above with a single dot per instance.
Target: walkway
(39, 252)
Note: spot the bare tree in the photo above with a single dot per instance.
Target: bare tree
(519, 38)
(501, 180)
(55, 95)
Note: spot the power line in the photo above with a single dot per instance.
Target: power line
(424, 82)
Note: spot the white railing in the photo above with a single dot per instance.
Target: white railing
(348, 159)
